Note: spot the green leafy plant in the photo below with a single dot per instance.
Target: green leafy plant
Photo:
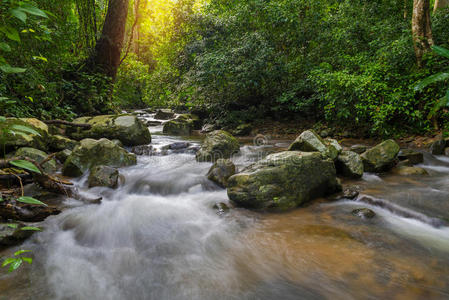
(15, 262)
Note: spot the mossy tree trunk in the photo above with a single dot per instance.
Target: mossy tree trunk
(421, 29)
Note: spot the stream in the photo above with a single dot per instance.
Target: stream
(158, 237)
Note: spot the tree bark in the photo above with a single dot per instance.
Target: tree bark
(106, 58)
(421, 29)
(440, 4)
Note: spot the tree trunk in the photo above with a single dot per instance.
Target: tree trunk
(136, 31)
(106, 58)
(440, 4)
(421, 29)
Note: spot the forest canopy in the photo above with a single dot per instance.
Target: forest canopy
(352, 62)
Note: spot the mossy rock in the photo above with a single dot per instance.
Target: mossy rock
(91, 153)
(283, 181)
(221, 171)
(349, 164)
(310, 141)
(127, 128)
(194, 119)
(15, 141)
(103, 176)
(178, 127)
(218, 144)
(381, 157)
(60, 143)
(38, 156)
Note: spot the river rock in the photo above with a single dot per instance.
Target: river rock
(217, 144)
(381, 157)
(221, 171)
(359, 149)
(153, 123)
(364, 213)
(178, 127)
(243, 129)
(413, 156)
(143, 150)
(103, 176)
(24, 139)
(283, 181)
(310, 141)
(63, 155)
(408, 171)
(58, 143)
(12, 234)
(208, 128)
(91, 153)
(349, 164)
(38, 156)
(194, 119)
(26, 212)
(164, 114)
(126, 128)
(437, 147)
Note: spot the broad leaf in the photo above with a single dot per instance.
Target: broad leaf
(11, 33)
(15, 265)
(441, 51)
(8, 261)
(30, 228)
(40, 58)
(431, 79)
(11, 70)
(21, 252)
(24, 164)
(19, 14)
(13, 226)
(32, 10)
(25, 129)
(30, 200)
(28, 260)
(5, 47)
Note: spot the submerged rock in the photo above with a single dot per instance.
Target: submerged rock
(91, 153)
(217, 144)
(103, 176)
(364, 213)
(38, 156)
(414, 157)
(221, 208)
(310, 141)
(14, 141)
(437, 147)
(408, 171)
(382, 157)
(126, 128)
(349, 164)
(143, 150)
(283, 181)
(58, 143)
(221, 171)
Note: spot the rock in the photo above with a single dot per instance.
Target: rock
(283, 181)
(63, 155)
(164, 114)
(178, 127)
(38, 156)
(351, 192)
(381, 158)
(12, 234)
(58, 143)
(364, 213)
(103, 176)
(194, 119)
(177, 146)
(126, 128)
(359, 149)
(143, 150)
(91, 153)
(349, 164)
(437, 147)
(207, 128)
(221, 208)
(15, 141)
(413, 156)
(333, 143)
(217, 144)
(404, 163)
(310, 141)
(26, 212)
(324, 133)
(408, 171)
(446, 151)
(221, 171)
(153, 123)
(243, 129)
(118, 143)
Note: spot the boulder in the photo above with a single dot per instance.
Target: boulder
(381, 157)
(178, 127)
(207, 128)
(91, 153)
(359, 149)
(63, 155)
(103, 176)
(217, 144)
(283, 181)
(164, 114)
(38, 156)
(409, 171)
(126, 128)
(349, 164)
(243, 129)
(221, 171)
(153, 123)
(310, 141)
(413, 156)
(364, 213)
(24, 139)
(334, 144)
(176, 146)
(437, 147)
(12, 234)
(194, 119)
(58, 143)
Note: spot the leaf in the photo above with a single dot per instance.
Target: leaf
(17, 253)
(441, 51)
(25, 129)
(32, 10)
(30, 200)
(30, 228)
(24, 164)
(28, 260)
(11, 33)
(40, 58)
(8, 261)
(15, 265)
(5, 47)
(13, 226)
(431, 79)
(11, 70)
(19, 14)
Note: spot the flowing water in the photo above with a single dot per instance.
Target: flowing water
(158, 237)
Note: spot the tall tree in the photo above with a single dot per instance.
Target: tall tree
(440, 4)
(421, 29)
(106, 57)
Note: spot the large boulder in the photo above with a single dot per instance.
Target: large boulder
(91, 153)
(38, 156)
(221, 171)
(194, 119)
(437, 147)
(414, 157)
(59, 143)
(217, 144)
(127, 128)
(103, 176)
(381, 157)
(24, 139)
(164, 114)
(349, 164)
(310, 141)
(284, 180)
(182, 127)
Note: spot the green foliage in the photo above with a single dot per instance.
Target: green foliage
(24, 164)
(30, 200)
(15, 262)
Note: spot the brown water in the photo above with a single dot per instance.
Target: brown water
(157, 237)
